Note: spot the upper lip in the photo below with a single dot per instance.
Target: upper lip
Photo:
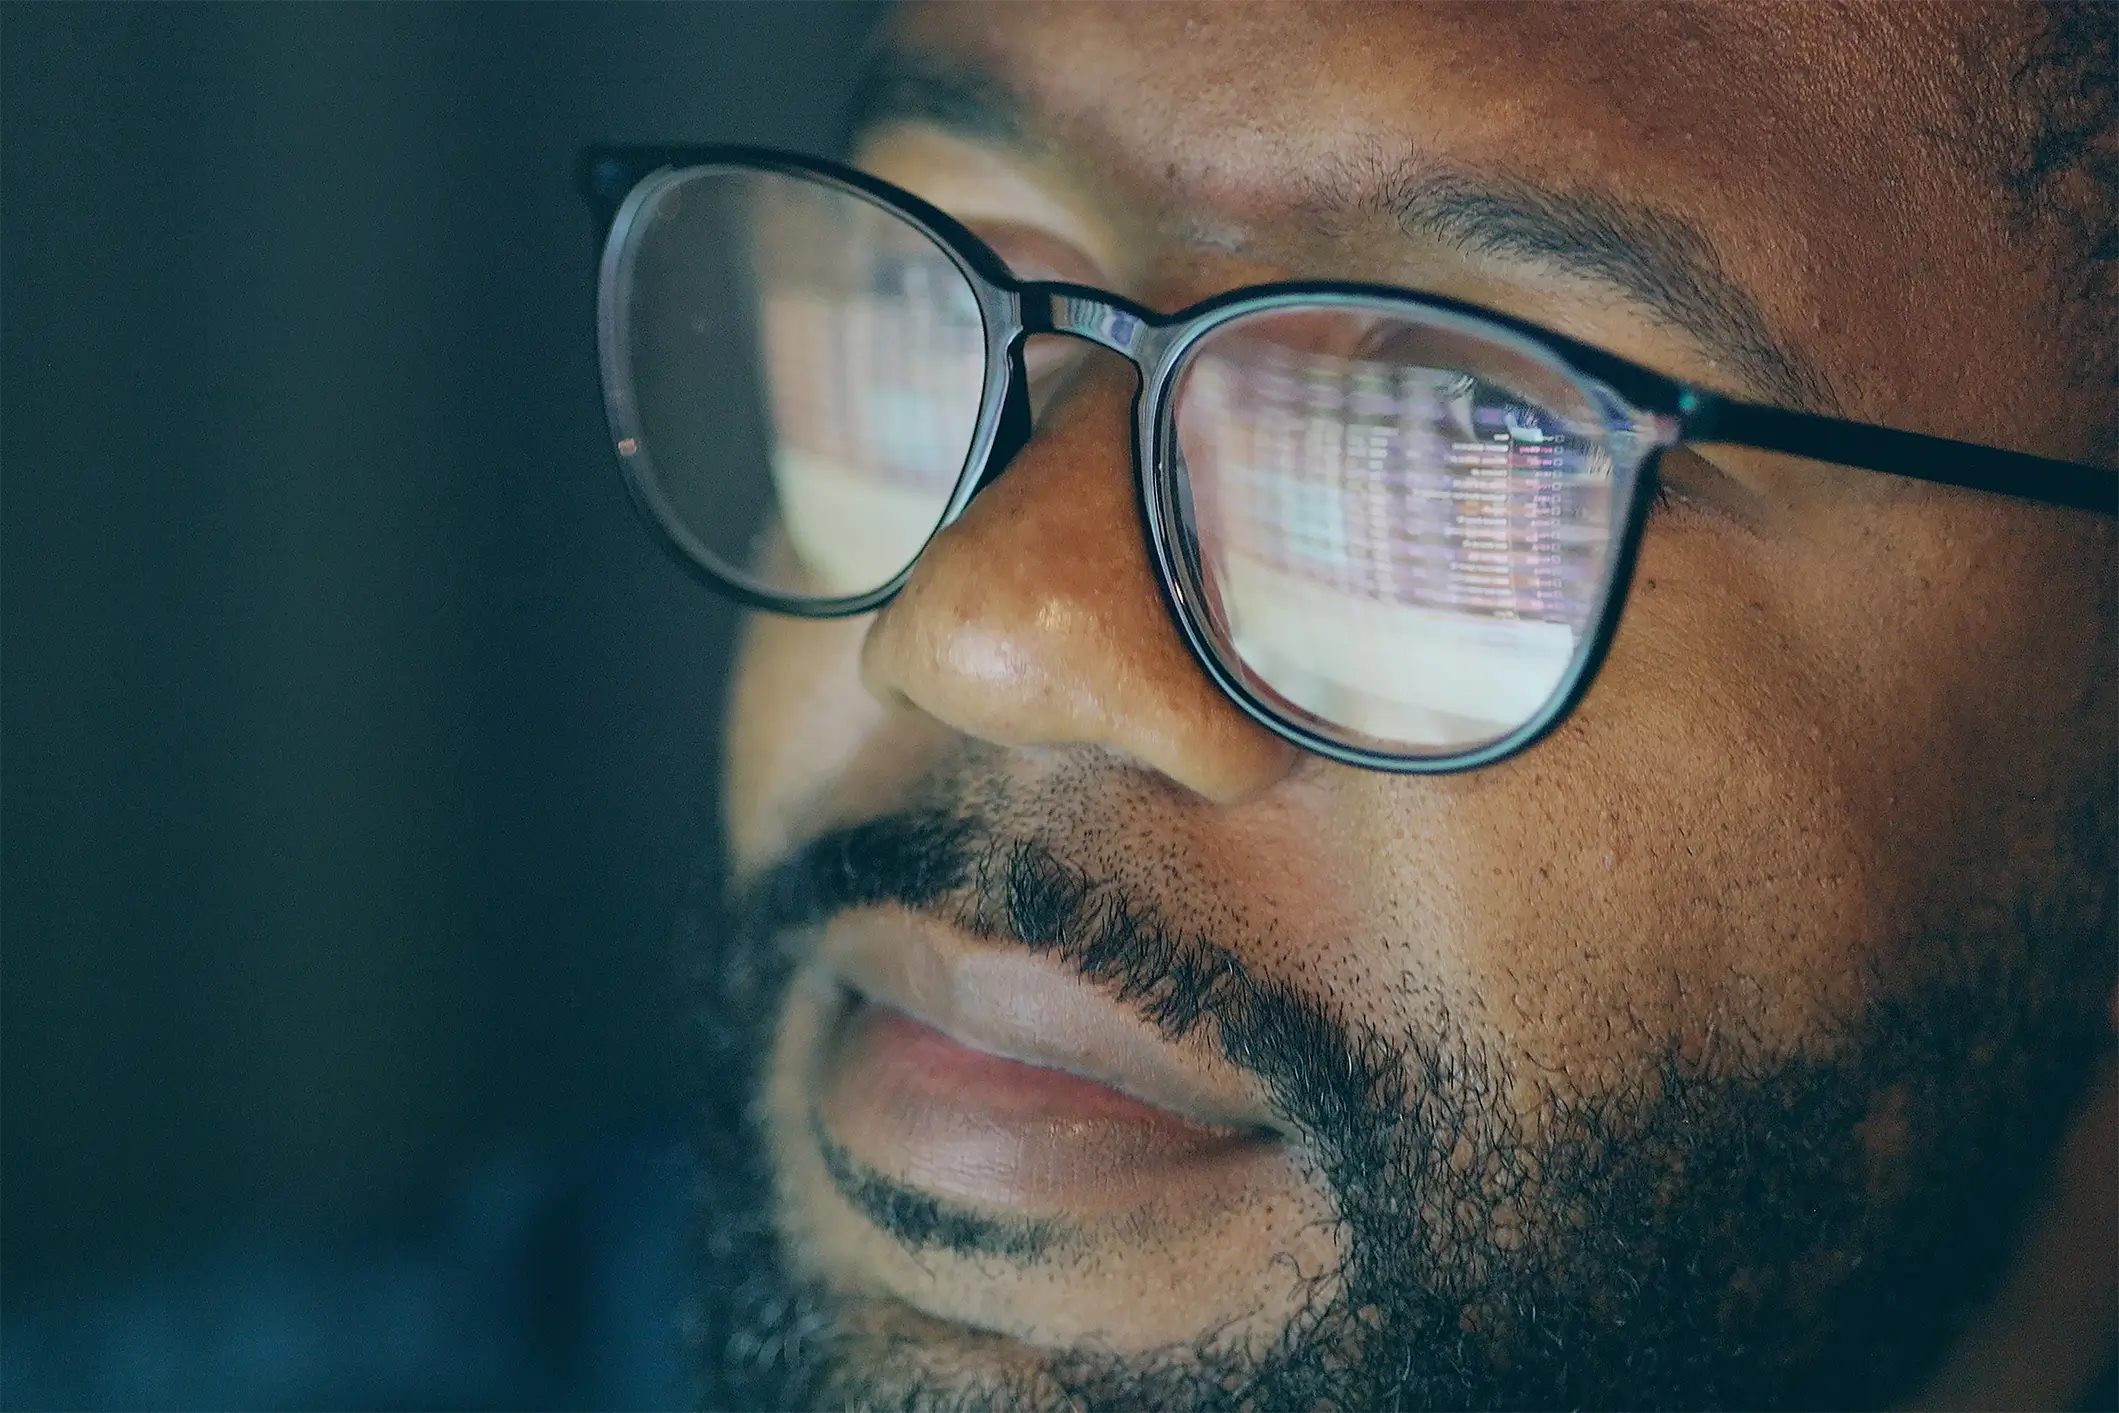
(1013, 1003)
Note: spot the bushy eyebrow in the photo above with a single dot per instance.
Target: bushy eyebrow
(1658, 262)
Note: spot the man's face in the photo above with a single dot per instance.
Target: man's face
(1112, 1048)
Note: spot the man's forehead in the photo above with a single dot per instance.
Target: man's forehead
(1244, 104)
(1815, 148)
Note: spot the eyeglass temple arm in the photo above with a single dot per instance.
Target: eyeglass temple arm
(1704, 417)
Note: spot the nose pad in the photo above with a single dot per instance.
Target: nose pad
(1015, 427)
(1037, 619)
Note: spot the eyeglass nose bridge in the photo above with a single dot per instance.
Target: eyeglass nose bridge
(1077, 311)
(1106, 320)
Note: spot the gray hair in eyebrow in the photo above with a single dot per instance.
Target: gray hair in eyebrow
(1656, 260)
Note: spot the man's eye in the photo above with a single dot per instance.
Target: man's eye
(1691, 484)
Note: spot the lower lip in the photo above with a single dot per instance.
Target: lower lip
(918, 1107)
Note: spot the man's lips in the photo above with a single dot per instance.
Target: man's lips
(992, 1075)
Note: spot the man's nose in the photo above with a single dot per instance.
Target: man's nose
(1037, 620)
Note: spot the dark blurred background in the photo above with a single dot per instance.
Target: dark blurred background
(356, 744)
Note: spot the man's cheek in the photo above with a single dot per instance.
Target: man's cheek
(798, 716)
(1694, 861)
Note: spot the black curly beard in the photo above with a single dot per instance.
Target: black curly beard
(1693, 1240)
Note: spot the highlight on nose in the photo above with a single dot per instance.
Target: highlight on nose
(1036, 619)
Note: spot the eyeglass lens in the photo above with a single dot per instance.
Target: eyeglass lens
(1401, 527)
(806, 374)
(1395, 523)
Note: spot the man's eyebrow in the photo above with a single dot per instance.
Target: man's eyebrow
(1657, 261)
(913, 86)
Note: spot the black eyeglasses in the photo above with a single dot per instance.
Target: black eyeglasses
(1396, 529)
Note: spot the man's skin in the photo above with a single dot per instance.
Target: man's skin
(1794, 942)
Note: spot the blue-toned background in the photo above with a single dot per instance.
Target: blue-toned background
(355, 743)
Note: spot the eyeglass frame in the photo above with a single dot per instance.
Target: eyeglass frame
(613, 179)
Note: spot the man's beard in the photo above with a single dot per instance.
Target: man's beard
(1697, 1237)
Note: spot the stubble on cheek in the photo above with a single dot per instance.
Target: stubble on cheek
(1745, 1223)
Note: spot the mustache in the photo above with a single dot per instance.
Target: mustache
(1326, 1074)
(916, 860)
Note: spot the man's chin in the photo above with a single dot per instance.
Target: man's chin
(832, 1348)
(887, 1354)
